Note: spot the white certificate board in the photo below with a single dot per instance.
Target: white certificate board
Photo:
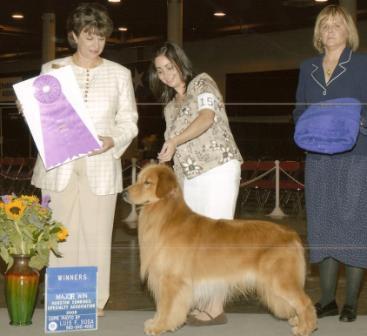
(54, 110)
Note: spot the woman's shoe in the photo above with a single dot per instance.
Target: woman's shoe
(331, 309)
(195, 322)
(348, 314)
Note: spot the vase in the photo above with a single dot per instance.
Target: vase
(21, 287)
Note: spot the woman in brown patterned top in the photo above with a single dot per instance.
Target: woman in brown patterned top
(199, 139)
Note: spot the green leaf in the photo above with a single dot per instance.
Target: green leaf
(39, 261)
(5, 255)
(35, 233)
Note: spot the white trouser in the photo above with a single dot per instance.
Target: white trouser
(89, 219)
(214, 193)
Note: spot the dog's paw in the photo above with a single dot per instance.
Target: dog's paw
(301, 331)
(293, 321)
(148, 326)
(151, 327)
(148, 323)
(155, 327)
(303, 327)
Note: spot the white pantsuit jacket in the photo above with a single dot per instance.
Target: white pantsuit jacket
(110, 102)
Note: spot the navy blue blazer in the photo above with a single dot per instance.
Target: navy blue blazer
(349, 79)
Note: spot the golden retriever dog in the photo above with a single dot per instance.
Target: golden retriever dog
(189, 260)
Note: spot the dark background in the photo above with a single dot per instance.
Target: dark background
(260, 94)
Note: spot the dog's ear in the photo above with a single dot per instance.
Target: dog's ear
(167, 183)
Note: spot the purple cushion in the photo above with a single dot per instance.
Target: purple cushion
(329, 127)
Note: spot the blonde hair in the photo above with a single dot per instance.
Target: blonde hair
(333, 11)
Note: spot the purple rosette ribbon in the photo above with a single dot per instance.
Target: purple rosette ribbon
(65, 135)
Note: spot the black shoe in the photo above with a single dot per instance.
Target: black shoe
(348, 314)
(331, 309)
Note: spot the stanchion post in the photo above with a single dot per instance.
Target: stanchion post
(277, 211)
(132, 218)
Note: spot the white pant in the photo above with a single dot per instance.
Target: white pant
(89, 220)
(214, 193)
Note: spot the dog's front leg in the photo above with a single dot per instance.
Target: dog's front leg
(173, 299)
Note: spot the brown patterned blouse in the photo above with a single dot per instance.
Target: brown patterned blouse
(212, 148)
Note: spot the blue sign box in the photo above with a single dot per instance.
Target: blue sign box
(70, 299)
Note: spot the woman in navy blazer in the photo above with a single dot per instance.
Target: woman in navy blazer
(336, 185)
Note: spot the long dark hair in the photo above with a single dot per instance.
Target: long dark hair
(177, 56)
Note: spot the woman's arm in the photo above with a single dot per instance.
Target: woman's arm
(300, 96)
(203, 122)
(125, 129)
(360, 74)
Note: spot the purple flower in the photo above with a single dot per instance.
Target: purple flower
(6, 198)
(45, 200)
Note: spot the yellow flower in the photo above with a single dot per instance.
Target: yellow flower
(62, 234)
(40, 211)
(27, 227)
(30, 199)
(15, 209)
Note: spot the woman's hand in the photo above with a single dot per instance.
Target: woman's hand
(201, 124)
(167, 151)
(19, 107)
(107, 143)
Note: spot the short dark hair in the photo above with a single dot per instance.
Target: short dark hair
(179, 59)
(90, 16)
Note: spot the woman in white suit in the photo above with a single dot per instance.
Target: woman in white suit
(83, 192)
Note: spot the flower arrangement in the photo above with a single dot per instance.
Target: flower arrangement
(27, 228)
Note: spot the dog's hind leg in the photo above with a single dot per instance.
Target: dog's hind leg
(288, 300)
(173, 300)
(303, 322)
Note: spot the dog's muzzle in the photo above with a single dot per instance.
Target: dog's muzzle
(125, 196)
